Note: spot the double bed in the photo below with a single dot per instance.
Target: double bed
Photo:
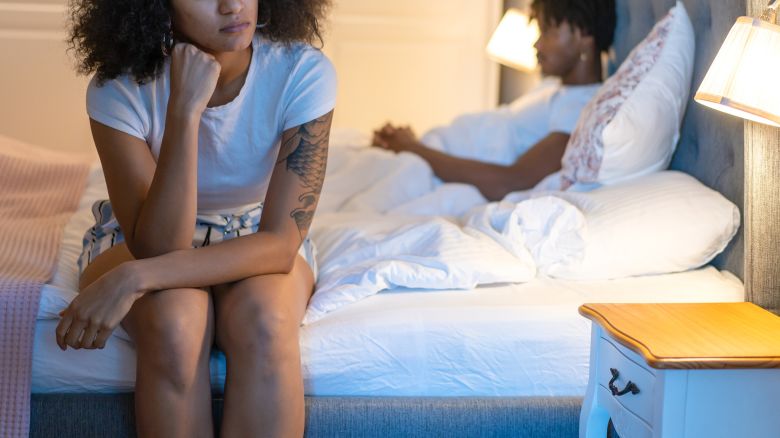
(507, 359)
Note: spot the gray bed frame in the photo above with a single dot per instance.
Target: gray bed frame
(711, 149)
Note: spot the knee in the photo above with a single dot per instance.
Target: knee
(268, 335)
(171, 346)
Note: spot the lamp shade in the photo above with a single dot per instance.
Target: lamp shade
(512, 44)
(742, 80)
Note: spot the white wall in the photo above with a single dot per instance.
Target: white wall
(42, 98)
(412, 61)
(409, 61)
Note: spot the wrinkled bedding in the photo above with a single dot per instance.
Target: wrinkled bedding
(385, 221)
(523, 339)
(464, 309)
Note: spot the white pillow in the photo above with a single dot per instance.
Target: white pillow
(659, 223)
(631, 127)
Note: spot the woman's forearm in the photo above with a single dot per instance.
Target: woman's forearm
(493, 180)
(490, 179)
(166, 221)
(260, 253)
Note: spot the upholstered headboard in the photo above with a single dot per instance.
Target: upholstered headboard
(711, 143)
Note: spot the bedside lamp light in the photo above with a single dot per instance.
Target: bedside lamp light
(512, 44)
(742, 79)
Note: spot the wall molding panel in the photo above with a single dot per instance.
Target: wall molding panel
(411, 62)
(32, 20)
(43, 98)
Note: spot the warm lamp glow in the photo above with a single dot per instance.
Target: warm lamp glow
(512, 44)
(742, 80)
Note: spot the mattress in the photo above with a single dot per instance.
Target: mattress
(506, 340)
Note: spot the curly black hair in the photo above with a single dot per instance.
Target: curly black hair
(594, 17)
(115, 37)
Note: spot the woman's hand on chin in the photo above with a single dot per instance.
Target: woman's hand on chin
(193, 75)
(93, 315)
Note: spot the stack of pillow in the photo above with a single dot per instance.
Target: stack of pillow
(631, 126)
(640, 219)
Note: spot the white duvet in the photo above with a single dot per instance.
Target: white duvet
(384, 221)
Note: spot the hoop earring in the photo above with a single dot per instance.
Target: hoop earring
(166, 45)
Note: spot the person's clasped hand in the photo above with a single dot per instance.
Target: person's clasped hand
(394, 138)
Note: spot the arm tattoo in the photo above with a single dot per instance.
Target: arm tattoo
(306, 154)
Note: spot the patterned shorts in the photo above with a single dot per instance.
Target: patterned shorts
(209, 229)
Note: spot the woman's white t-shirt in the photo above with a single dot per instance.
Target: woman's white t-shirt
(238, 143)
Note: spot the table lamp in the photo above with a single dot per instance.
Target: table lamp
(742, 79)
(512, 44)
(742, 82)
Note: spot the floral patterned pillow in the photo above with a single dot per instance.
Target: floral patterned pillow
(635, 148)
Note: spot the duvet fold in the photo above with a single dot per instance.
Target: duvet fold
(395, 225)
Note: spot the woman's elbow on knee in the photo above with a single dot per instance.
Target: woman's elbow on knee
(287, 260)
(285, 252)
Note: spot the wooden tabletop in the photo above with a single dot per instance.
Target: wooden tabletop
(693, 335)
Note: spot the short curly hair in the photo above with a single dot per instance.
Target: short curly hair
(115, 37)
(594, 17)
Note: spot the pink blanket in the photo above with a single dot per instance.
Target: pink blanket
(39, 191)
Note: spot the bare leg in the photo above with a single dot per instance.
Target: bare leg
(173, 331)
(258, 323)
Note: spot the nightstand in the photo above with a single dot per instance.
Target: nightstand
(699, 370)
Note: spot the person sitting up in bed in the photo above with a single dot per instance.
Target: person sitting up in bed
(211, 128)
(527, 138)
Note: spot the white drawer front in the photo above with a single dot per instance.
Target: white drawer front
(612, 355)
(626, 424)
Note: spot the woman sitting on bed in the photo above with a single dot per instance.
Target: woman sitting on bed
(211, 119)
(516, 146)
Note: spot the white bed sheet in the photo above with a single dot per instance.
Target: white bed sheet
(510, 340)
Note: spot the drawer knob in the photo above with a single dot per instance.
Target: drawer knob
(630, 386)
